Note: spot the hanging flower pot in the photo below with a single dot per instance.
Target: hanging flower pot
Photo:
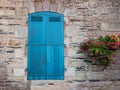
(102, 51)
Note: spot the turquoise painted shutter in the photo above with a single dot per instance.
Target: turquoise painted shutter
(45, 46)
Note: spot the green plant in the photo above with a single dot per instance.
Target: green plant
(102, 49)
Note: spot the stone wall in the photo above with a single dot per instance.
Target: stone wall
(83, 19)
(13, 33)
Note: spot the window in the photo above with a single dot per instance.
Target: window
(45, 46)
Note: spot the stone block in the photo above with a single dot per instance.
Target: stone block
(78, 18)
(72, 86)
(15, 42)
(116, 66)
(19, 11)
(80, 73)
(79, 78)
(18, 72)
(19, 53)
(114, 87)
(38, 88)
(10, 12)
(116, 83)
(2, 72)
(71, 52)
(12, 21)
(104, 26)
(68, 60)
(78, 39)
(38, 6)
(70, 11)
(2, 51)
(112, 74)
(20, 31)
(95, 75)
(103, 11)
(46, 88)
(16, 64)
(60, 7)
(114, 10)
(114, 18)
(101, 84)
(30, 6)
(83, 5)
(3, 41)
(93, 3)
(77, 63)
(114, 25)
(116, 3)
(1, 12)
(110, 26)
(6, 3)
(4, 21)
(19, 4)
(25, 12)
(72, 30)
(79, 23)
(9, 71)
(17, 78)
(70, 71)
(53, 7)
(46, 5)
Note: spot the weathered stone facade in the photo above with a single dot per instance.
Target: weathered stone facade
(83, 19)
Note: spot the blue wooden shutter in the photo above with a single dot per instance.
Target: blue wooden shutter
(45, 46)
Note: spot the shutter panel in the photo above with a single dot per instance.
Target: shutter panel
(55, 48)
(55, 33)
(37, 62)
(45, 46)
(36, 30)
(55, 62)
(36, 48)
